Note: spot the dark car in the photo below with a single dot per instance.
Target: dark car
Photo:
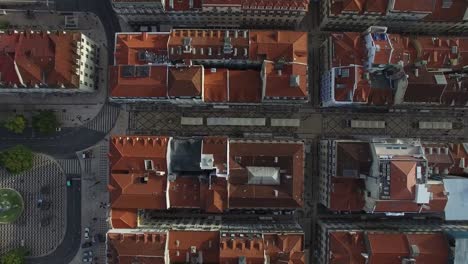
(86, 245)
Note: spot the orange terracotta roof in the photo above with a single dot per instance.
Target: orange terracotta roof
(216, 82)
(124, 218)
(433, 247)
(402, 180)
(440, 160)
(216, 197)
(7, 68)
(131, 184)
(290, 81)
(436, 204)
(141, 247)
(128, 45)
(209, 246)
(129, 191)
(217, 146)
(346, 248)
(153, 85)
(185, 81)
(386, 247)
(275, 45)
(436, 53)
(185, 192)
(40, 58)
(289, 157)
(420, 6)
(183, 5)
(347, 194)
(454, 13)
(285, 248)
(181, 46)
(193, 244)
(244, 86)
(232, 248)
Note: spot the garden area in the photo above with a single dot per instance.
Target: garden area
(11, 205)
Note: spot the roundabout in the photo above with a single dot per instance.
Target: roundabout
(11, 206)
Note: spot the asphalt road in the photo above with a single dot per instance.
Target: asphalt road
(62, 145)
(67, 250)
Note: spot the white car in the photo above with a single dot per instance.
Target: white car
(86, 233)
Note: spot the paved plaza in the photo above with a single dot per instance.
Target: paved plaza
(44, 193)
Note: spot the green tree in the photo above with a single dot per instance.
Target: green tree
(15, 256)
(16, 124)
(45, 122)
(17, 159)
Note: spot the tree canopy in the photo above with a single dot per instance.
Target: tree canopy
(16, 124)
(45, 122)
(17, 159)
(15, 256)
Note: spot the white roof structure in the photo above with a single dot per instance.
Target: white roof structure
(263, 175)
(457, 205)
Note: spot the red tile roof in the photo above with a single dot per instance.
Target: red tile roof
(131, 185)
(386, 247)
(142, 247)
(216, 82)
(346, 248)
(154, 85)
(435, 53)
(430, 10)
(244, 86)
(347, 194)
(40, 57)
(290, 81)
(193, 244)
(348, 188)
(402, 179)
(209, 246)
(185, 81)
(287, 48)
(128, 45)
(288, 157)
(124, 218)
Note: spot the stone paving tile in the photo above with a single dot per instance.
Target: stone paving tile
(46, 172)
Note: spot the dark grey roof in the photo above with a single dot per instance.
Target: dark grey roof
(185, 155)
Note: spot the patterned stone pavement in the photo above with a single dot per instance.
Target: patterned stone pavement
(45, 181)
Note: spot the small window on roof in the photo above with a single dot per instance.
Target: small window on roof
(345, 73)
(149, 165)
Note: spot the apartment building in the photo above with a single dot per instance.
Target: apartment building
(208, 174)
(201, 241)
(210, 67)
(213, 13)
(393, 176)
(390, 242)
(417, 16)
(381, 69)
(33, 61)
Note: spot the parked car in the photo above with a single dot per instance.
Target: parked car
(86, 245)
(88, 253)
(86, 233)
(87, 260)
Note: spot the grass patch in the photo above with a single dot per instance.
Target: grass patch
(11, 205)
